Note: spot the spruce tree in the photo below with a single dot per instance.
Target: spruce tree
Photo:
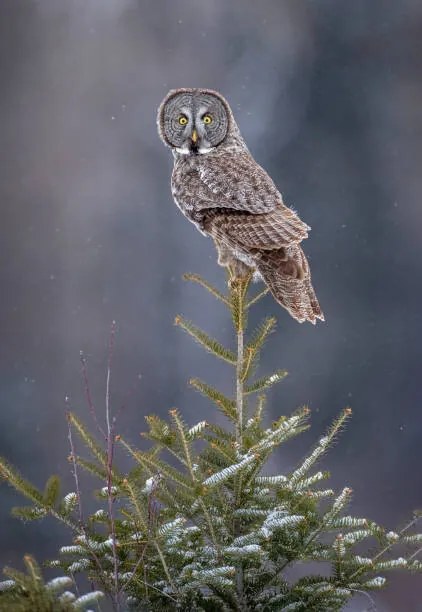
(199, 523)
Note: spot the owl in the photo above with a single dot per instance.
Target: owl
(226, 194)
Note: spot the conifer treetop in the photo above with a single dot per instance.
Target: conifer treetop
(199, 522)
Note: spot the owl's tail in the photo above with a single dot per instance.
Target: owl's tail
(287, 275)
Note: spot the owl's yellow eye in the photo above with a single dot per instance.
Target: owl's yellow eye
(207, 119)
(183, 120)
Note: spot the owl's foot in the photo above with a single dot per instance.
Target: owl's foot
(237, 269)
(238, 273)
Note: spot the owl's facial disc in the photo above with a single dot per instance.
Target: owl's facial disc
(193, 122)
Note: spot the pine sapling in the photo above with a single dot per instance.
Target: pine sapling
(199, 522)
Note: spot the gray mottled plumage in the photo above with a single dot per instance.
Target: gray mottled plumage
(220, 188)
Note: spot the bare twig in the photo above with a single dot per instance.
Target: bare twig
(110, 423)
(88, 395)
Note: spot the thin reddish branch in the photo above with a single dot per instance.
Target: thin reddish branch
(88, 394)
(110, 456)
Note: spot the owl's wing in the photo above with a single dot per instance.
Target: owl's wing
(273, 230)
(281, 262)
(238, 183)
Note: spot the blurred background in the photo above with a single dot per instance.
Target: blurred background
(328, 95)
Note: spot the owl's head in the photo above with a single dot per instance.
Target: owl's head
(194, 121)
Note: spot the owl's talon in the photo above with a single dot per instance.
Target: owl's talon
(233, 282)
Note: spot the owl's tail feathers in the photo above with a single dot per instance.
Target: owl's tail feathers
(290, 284)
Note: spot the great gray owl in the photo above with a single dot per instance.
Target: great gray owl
(218, 186)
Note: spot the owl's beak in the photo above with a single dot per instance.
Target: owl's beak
(194, 137)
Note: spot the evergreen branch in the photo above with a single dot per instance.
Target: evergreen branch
(154, 465)
(391, 543)
(139, 509)
(91, 467)
(184, 442)
(85, 600)
(204, 575)
(28, 591)
(257, 416)
(209, 522)
(220, 433)
(279, 519)
(246, 364)
(33, 571)
(266, 382)
(228, 472)
(88, 439)
(226, 405)
(224, 450)
(317, 495)
(260, 335)
(412, 539)
(272, 481)
(256, 299)
(321, 447)
(352, 522)
(172, 498)
(28, 513)
(52, 491)
(159, 431)
(305, 483)
(223, 600)
(72, 459)
(338, 506)
(165, 568)
(196, 431)
(173, 528)
(249, 512)
(282, 430)
(164, 437)
(207, 342)
(198, 279)
(13, 477)
(238, 290)
(357, 536)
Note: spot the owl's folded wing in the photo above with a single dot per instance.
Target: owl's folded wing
(237, 182)
(279, 228)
